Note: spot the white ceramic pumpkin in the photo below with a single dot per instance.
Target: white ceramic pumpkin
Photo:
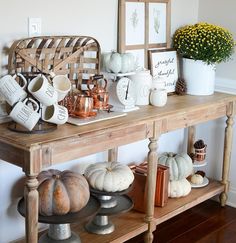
(196, 179)
(180, 165)
(109, 176)
(179, 188)
(118, 63)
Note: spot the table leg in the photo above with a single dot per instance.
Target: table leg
(191, 138)
(227, 152)
(31, 200)
(113, 154)
(151, 180)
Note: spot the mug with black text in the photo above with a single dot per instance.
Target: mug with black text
(10, 89)
(56, 114)
(26, 113)
(43, 91)
(62, 84)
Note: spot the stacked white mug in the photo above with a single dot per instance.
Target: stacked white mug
(26, 111)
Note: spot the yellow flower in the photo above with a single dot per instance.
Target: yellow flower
(203, 41)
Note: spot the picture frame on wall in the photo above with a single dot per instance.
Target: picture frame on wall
(134, 23)
(163, 64)
(157, 23)
(143, 25)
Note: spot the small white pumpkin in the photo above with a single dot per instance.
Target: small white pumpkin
(179, 188)
(118, 63)
(180, 165)
(196, 179)
(109, 176)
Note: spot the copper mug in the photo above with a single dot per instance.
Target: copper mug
(83, 106)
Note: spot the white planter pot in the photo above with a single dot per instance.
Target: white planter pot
(199, 77)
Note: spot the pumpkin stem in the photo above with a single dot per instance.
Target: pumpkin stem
(56, 177)
(109, 169)
(171, 154)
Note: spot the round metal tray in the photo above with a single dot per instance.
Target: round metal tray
(124, 204)
(104, 193)
(40, 127)
(91, 209)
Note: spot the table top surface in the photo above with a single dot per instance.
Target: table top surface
(175, 105)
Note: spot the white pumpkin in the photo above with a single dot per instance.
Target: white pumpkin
(127, 62)
(196, 179)
(109, 176)
(118, 63)
(179, 188)
(180, 165)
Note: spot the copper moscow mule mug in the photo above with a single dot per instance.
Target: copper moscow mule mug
(83, 106)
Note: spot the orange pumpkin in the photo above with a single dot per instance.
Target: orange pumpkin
(61, 192)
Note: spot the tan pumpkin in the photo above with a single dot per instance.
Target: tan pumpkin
(196, 179)
(61, 192)
(180, 188)
(180, 165)
(109, 176)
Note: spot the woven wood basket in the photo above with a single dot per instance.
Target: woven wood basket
(76, 56)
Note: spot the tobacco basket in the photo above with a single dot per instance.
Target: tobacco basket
(76, 56)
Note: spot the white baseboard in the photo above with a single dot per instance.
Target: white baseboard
(225, 85)
(232, 197)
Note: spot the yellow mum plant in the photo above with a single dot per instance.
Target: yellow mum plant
(202, 41)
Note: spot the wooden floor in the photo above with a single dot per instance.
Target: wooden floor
(205, 223)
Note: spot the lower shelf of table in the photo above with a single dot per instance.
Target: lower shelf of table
(177, 206)
(131, 224)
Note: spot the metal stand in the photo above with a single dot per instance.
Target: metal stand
(101, 224)
(59, 232)
(59, 225)
(111, 204)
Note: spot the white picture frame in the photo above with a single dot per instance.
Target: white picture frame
(135, 23)
(139, 56)
(164, 65)
(157, 23)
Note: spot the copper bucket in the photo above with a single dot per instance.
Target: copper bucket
(200, 154)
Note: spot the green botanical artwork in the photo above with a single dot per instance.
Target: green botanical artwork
(134, 19)
(156, 17)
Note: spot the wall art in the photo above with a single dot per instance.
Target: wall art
(143, 25)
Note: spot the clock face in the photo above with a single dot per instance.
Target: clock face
(125, 91)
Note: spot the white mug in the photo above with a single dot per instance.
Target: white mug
(42, 90)
(158, 97)
(56, 114)
(10, 89)
(26, 115)
(62, 85)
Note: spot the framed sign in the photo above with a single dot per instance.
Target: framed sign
(164, 65)
(143, 25)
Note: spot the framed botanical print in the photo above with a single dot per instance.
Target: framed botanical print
(164, 65)
(143, 25)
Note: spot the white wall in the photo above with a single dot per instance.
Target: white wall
(221, 13)
(80, 17)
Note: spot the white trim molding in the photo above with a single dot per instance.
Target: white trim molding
(232, 197)
(225, 85)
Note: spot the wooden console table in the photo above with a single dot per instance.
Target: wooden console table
(34, 153)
